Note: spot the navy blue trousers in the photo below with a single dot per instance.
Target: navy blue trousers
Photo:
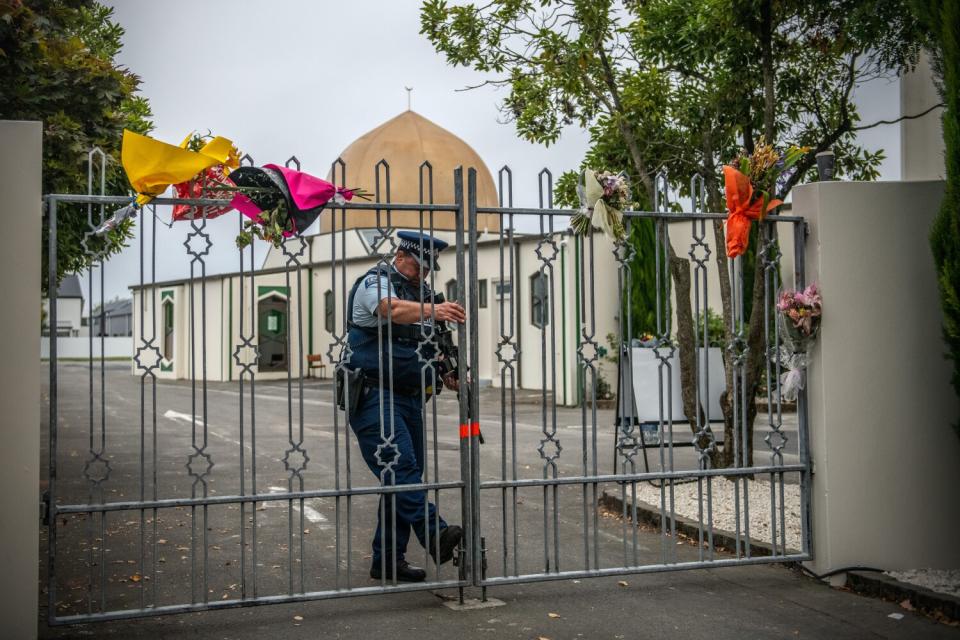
(397, 461)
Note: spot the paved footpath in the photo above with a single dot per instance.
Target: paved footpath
(717, 604)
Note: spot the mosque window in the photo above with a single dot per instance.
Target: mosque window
(539, 300)
(167, 329)
(451, 290)
(329, 312)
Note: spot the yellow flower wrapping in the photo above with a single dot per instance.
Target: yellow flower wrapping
(152, 165)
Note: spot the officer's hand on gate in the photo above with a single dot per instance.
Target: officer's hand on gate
(449, 312)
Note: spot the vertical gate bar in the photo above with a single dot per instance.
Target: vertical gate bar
(771, 369)
(661, 258)
(623, 388)
(776, 348)
(243, 470)
(346, 418)
(253, 420)
(465, 476)
(52, 453)
(539, 296)
(735, 294)
(474, 381)
(153, 378)
(586, 470)
(628, 382)
(143, 409)
(335, 365)
(387, 473)
(103, 373)
(504, 364)
(803, 434)
(206, 416)
(745, 449)
(580, 304)
(90, 443)
(286, 338)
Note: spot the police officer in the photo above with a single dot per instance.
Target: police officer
(389, 307)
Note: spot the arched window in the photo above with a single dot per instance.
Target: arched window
(167, 308)
(539, 300)
(329, 312)
(451, 290)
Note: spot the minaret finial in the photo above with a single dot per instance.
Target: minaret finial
(409, 92)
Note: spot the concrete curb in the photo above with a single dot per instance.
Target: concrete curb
(650, 515)
(883, 586)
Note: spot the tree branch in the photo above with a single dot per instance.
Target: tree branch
(900, 119)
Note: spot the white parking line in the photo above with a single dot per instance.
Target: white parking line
(309, 512)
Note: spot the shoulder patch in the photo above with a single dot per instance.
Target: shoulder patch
(371, 281)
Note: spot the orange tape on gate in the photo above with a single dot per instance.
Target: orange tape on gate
(467, 430)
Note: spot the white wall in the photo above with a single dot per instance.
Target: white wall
(20, 376)
(921, 139)
(117, 347)
(886, 461)
(69, 313)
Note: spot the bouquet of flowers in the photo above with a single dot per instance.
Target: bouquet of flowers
(603, 197)
(281, 202)
(211, 182)
(798, 316)
(750, 182)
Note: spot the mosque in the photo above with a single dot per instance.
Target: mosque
(517, 302)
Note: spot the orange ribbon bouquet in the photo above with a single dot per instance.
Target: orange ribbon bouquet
(749, 182)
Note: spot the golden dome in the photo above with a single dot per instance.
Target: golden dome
(405, 142)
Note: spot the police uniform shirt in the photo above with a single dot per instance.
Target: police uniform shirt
(371, 291)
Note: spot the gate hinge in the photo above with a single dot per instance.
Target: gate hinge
(45, 509)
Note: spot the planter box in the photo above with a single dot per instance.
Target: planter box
(646, 383)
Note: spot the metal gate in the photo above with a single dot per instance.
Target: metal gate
(200, 477)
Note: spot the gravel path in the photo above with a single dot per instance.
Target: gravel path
(687, 501)
(940, 580)
(687, 504)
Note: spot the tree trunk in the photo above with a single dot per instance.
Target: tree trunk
(680, 270)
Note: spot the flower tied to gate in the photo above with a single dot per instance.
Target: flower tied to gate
(750, 182)
(603, 197)
(743, 209)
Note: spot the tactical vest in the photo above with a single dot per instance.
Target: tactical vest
(398, 342)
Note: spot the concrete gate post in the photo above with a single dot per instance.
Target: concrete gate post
(886, 460)
(20, 373)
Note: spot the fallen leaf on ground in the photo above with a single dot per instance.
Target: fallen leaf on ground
(298, 618)
(905, 604)
(553, 615)
(623, 583)
(136, 577)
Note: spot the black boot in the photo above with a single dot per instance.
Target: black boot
(406, 572)
(449, 539)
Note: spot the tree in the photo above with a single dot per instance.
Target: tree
(941, 20)
(680, 85)
(57, 65)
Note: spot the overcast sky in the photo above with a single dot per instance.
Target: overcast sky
(306, 78)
